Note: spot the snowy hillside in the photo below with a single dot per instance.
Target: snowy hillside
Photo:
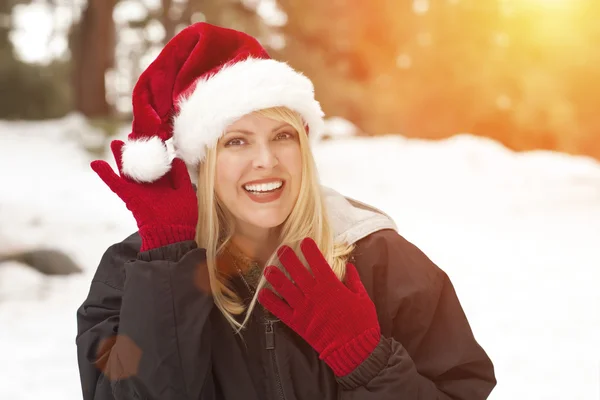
(518, 234)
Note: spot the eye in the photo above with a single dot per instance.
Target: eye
(234, 142)
(284, 136)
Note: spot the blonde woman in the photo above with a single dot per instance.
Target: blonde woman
(260, 283)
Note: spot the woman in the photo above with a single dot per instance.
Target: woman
(261, 284)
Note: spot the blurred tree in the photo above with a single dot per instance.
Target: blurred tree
(29, 91)
(518, 72)
(92, 44)
(509, 70)
(547, 79)
(584, 78)
(389, 66)
(140, 39)
(234, 14)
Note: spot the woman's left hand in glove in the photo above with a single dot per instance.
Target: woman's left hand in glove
(338, 320)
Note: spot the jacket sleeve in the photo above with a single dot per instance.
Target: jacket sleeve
(142, 330)
(427, 349)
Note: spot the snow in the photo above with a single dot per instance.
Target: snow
(336, 127)
(518, 235)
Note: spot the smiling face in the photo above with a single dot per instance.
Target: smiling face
(258, 171)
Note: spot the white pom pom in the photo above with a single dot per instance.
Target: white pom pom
(146, 159)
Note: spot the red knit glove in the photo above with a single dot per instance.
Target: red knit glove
(339, 321)
(166, 210)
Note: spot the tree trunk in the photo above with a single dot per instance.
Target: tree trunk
(92, 47)
(166, 19)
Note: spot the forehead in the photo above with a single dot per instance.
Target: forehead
(255, 123)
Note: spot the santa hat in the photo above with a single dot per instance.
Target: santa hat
(203, 80)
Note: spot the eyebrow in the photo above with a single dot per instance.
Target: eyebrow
(252, 133)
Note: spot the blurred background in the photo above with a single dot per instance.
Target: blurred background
(473, 123)
(523, 72)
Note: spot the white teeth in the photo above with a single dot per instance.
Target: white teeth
(264, 187)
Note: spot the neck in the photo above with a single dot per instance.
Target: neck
(257, 244)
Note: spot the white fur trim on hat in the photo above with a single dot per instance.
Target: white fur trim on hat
(146, 159)
(234, 91)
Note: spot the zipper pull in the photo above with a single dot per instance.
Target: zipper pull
(270, 335)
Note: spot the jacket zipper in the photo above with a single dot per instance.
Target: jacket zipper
(270, 346)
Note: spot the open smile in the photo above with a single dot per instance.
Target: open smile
(264, 191)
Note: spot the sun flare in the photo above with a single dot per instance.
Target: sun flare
(546, 3)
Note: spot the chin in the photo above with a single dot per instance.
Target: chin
(267, 220)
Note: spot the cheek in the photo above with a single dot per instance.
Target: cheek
(226, 179)
(292, 160)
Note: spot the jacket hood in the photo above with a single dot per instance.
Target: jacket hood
(353, 220)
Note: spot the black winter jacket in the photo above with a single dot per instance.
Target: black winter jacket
(148, 331)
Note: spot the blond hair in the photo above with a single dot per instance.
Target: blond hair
(308, 218)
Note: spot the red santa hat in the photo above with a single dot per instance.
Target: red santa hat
(203, 80)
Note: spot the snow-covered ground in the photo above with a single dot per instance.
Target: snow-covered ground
(518, 234)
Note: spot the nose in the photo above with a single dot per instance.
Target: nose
(265, 156)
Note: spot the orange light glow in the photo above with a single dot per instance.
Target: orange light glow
(545, 4)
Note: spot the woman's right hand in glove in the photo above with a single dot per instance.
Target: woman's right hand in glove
(166, 210)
